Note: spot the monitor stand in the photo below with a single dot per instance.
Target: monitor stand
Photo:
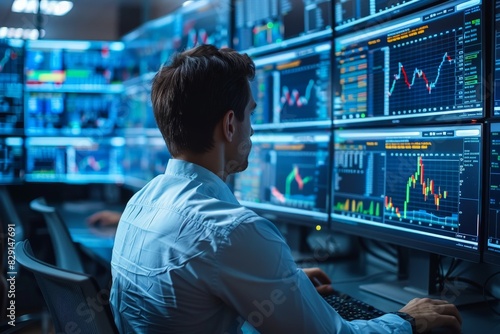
(418, 273)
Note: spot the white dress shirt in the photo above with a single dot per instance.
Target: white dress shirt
(188, 258)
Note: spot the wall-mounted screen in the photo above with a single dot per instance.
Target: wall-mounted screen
(426, 66)
(264, 25)
(292, 88)
(143, 159)
(11, 86)
(287, 176)
(79, 160)
(414, 186)
(492, 248)
(351, 14)
(11, 160)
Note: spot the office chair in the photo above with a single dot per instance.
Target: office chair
(65, 250)
(27, 320)
(75, 301)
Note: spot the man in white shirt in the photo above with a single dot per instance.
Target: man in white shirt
(188, 258)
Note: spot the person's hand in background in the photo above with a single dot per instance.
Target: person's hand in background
(104, 218)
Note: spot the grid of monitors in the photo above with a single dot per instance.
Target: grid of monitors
(425, 67)
(416, 186)
(11, 160)
(264, 25)
(292, 88)
(350, 14)
(11, 86)
(143, 159)
(287, 176)
(78, 160)
(73, 88)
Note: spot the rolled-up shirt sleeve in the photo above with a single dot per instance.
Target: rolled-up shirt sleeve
(257, 275)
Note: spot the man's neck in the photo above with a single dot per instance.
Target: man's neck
(213, 161)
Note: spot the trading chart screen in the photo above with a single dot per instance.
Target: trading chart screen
(287, 175)
(418, 186)
(11, 86)
(263, 25)
(426, 66)
(292, 88)
(492, 251)
(79, 160)
(11, 160)
(352, 13)
(496, 111)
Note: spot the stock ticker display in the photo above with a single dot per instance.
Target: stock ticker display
(426, 66)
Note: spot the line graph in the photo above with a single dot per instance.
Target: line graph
(418, 73)
(5, 59)
(294, 98)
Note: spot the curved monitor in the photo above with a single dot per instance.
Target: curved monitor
(427, 66)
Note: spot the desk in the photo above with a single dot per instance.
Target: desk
(97, 240)
(347, 275)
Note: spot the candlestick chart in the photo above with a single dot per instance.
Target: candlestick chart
(427, 193)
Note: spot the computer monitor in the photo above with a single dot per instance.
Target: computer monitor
(292, 88)
(11, 86)
(287, 177)
(496, 69)
(151, 45)
(11, 160)
(492, 239)
(205, 22)
(267, 25)
(74, 160)
(143, 159)
(417, 187)
(427, 66)
(74, 66)
(354, 14)
(137, 108)
(70, 114)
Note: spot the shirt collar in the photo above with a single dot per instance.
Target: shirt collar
(212, 183)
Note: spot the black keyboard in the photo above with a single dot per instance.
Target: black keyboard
(351, 308)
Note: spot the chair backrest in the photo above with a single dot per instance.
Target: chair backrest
(65, 250)
(75, 301)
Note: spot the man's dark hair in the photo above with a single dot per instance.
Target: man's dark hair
(193, 93)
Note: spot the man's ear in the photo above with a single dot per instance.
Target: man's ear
(228, 125)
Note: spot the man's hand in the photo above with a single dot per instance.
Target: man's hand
(320, 280)
(433, 313)
(104, 218)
